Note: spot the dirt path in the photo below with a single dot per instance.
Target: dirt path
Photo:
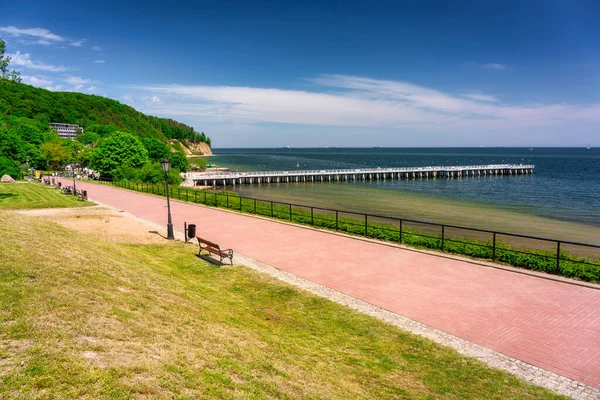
(103, 222)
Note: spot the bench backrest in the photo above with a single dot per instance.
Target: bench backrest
(208, 243)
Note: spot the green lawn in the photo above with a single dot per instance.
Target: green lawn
(80, 317)
(35, 195)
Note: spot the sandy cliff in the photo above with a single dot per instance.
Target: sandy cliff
(195, 148)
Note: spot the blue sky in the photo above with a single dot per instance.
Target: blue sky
(343, 73)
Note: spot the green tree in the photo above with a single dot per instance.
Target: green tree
(12, 146)
(157, 150)
(4, 61)
(153, 173)
(125, 172)
(9, 167)
(35, 156)
(55, 155)
(88, 138)
(179, 161)
(114, 151)
(83, 157)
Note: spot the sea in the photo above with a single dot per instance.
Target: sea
(565, 185)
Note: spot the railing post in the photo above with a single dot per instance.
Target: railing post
(442, 238)
(290, 211)
(312, 216)
(205, 197)
(187, 195)
(195, 196)
(558, 257)
(400, 240)
(254, 206)
(271, 209)
(227, 199)
(179, 193)
(366, 225)
(336, 220)
(494, 248)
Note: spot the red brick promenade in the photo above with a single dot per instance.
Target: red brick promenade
(552, 325)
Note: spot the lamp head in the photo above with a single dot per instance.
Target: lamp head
(165, 164)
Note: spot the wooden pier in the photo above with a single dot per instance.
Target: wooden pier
(362, 174)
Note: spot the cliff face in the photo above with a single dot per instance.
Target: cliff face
(196, 148)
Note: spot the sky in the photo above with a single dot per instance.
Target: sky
(427, 73)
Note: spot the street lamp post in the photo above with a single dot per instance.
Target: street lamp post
(73, 171)
(165, 164)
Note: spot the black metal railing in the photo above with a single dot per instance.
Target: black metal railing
(566, 258)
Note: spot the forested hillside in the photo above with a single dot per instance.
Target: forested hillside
(118, 141)
(90, 112)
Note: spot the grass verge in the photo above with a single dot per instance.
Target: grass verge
(35, 195)
(81, 317)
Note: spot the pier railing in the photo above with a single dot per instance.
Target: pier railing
(559, 257)
(310, 172)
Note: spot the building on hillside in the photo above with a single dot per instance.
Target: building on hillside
(66, 131)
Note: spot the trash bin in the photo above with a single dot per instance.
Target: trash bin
(191, 232)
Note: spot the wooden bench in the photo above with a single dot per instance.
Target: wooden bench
(214, 249)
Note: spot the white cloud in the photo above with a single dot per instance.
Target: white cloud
(99, 62)
(77, 43)
(77, 82)
(40, 33)
(481, 97)
(498, 67)
(357, 101)
(97, 48)
(36, 80)
(24, 60)
(128, 99)
(150, 99)
(41, 81)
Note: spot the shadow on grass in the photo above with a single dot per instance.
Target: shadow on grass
(210, 260)
(5, 195)
(157, 233)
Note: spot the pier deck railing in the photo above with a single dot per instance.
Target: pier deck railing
(379, 170)
(559, 257)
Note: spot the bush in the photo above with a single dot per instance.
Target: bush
(153, 173)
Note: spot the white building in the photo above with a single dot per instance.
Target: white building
(66, 131)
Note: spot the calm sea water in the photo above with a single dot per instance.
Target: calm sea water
(565, 184)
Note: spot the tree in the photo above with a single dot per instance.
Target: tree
(114, 151)
(9, 167)
(83, 157)
(157, 150)
(12, 146)
(153, 173)
(55, 155)
(179, 161)
(88, 137)
(4, 61)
